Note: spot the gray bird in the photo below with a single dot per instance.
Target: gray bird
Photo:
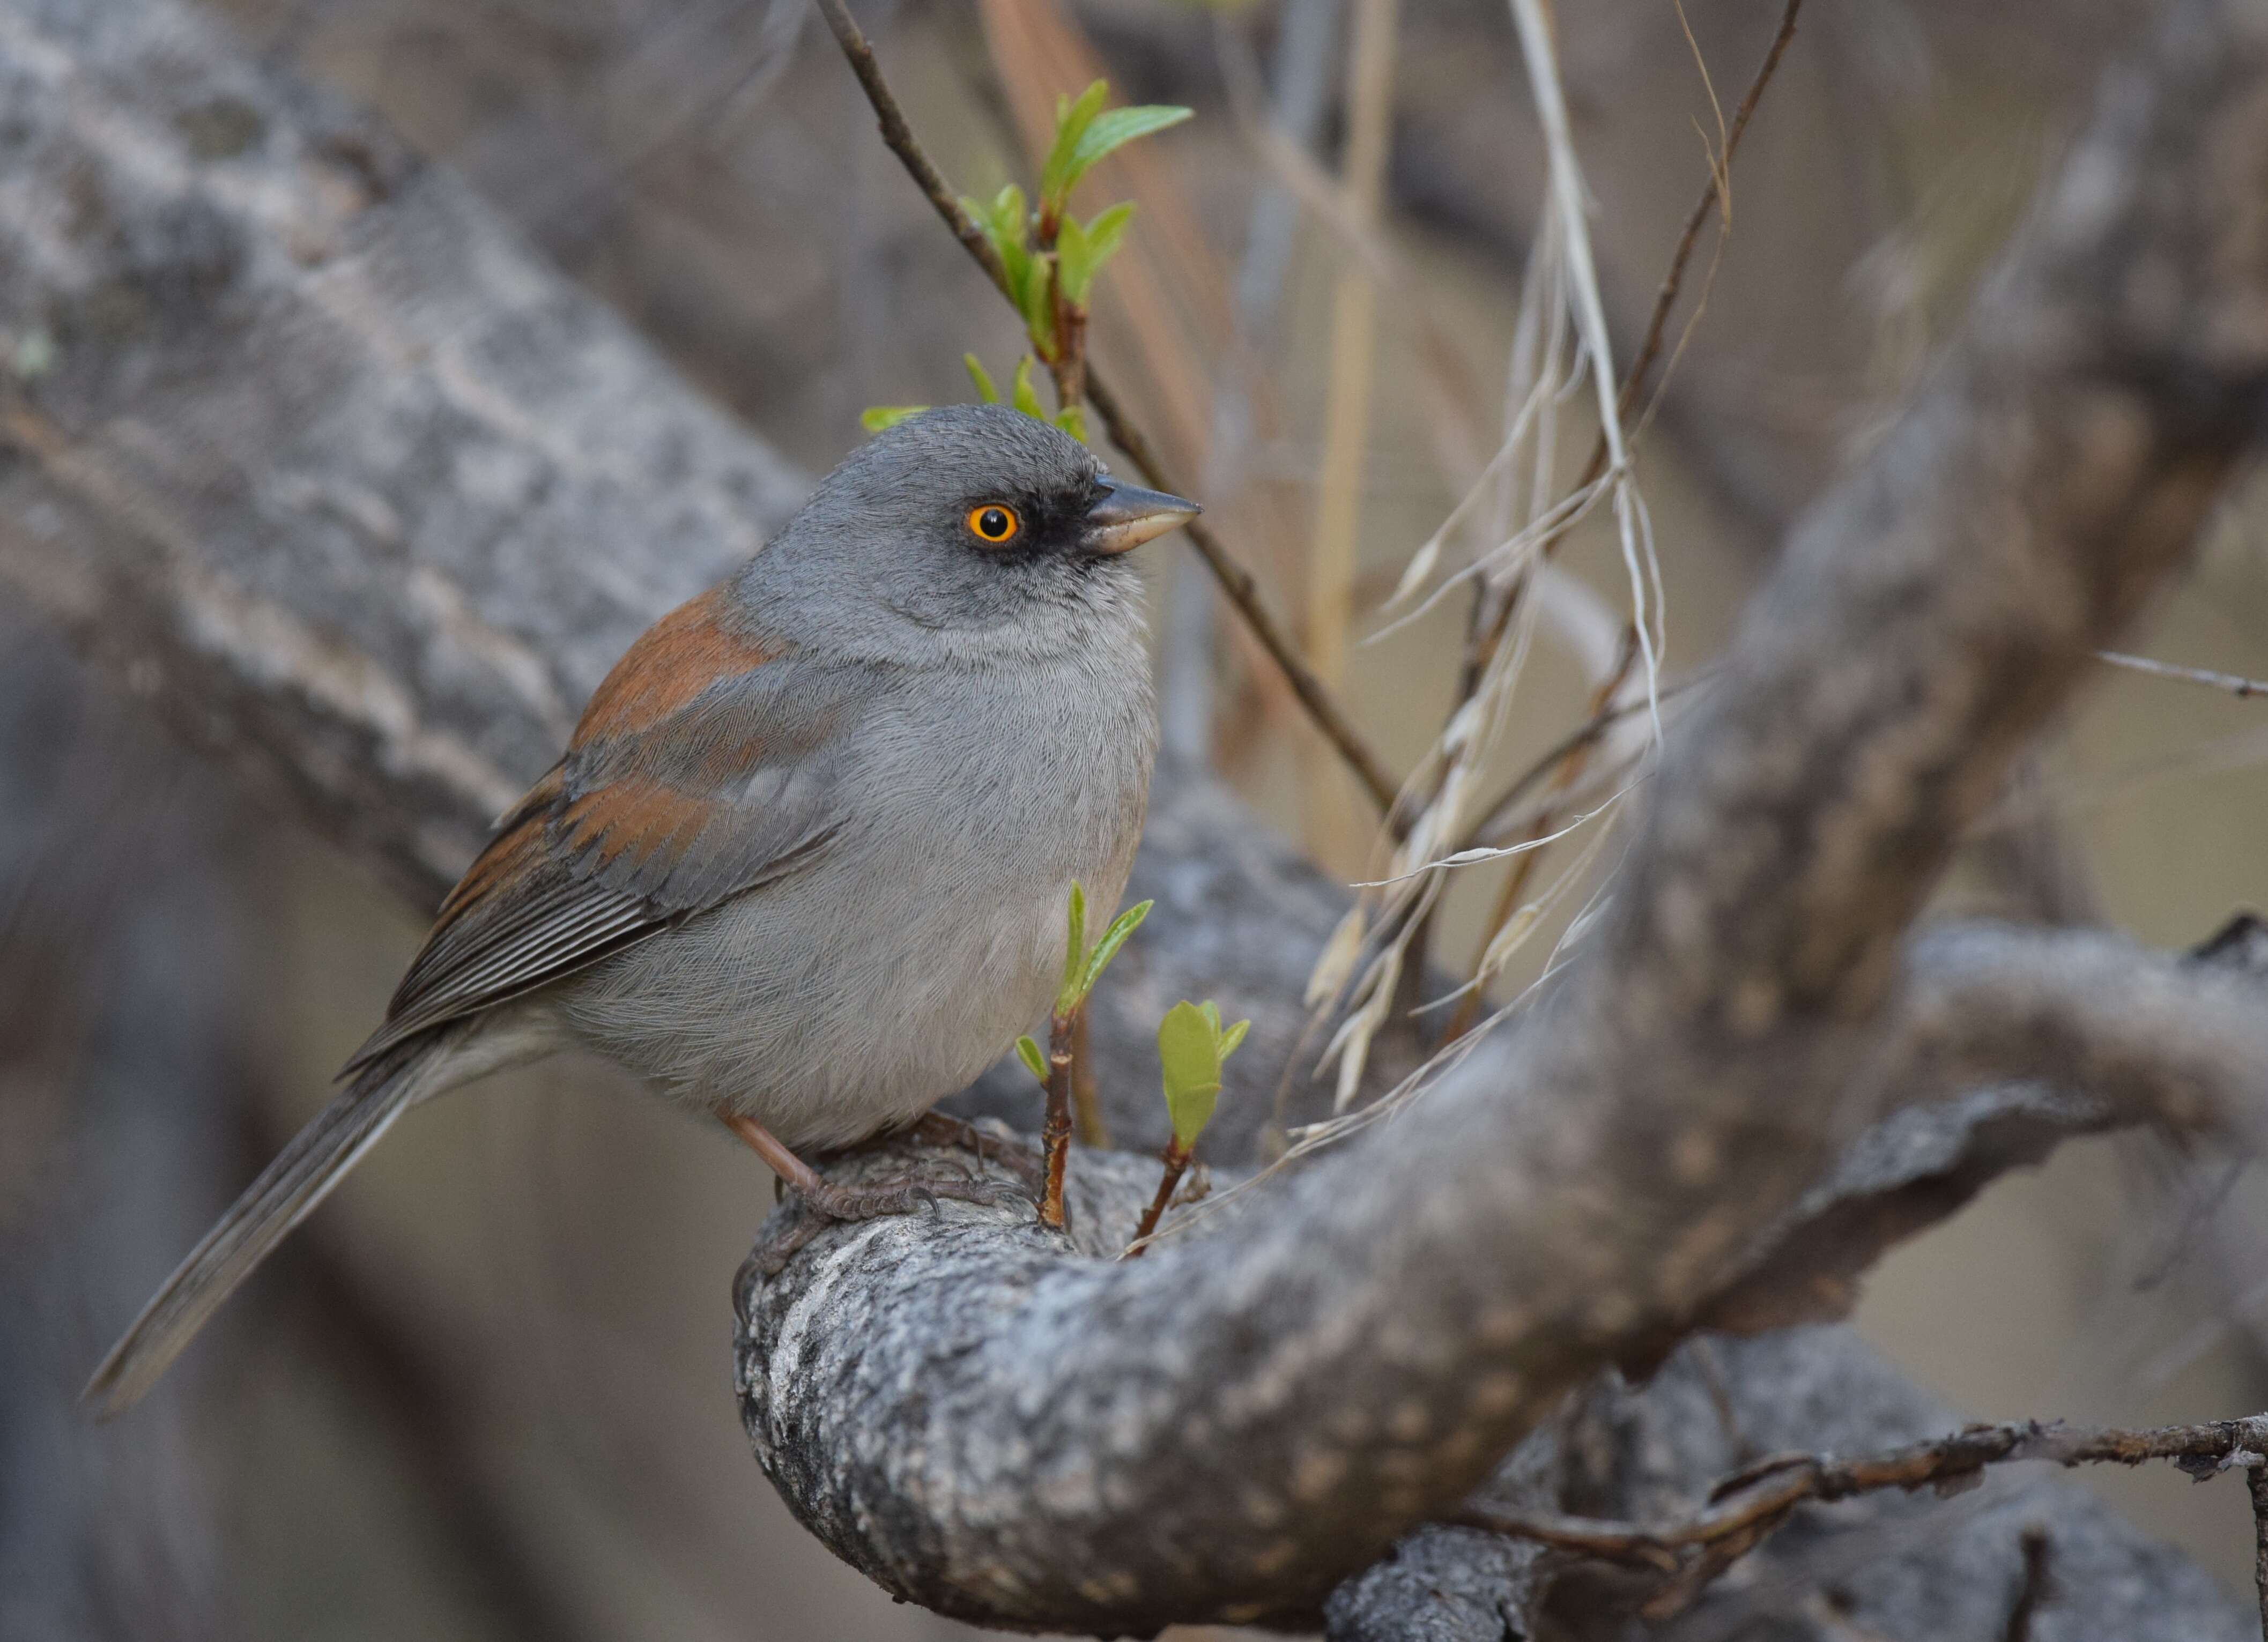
(803, 863)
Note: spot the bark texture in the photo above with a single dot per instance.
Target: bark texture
(311, 448)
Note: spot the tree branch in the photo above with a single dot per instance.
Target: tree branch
(315, 437)
(1753, 1501)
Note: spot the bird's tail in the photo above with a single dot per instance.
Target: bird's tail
(301, 1176)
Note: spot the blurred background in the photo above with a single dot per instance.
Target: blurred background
(484, 1393)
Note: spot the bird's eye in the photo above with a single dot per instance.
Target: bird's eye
(994, 523)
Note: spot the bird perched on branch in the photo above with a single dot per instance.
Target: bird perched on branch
(804, 863)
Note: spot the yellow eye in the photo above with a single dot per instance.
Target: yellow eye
(994, 523)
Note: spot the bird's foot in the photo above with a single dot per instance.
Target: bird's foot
(936, 1128)
(822, 1202)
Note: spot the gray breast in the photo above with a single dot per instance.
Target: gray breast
(890, 972)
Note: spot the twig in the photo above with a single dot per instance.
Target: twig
(1487, 627)
(2233, 683)
(1490, 633)
(1176, 1159)
(1487, 829)
(1658, 323)
(2038, 1588)
(1748, 1504)
(1569, 769)
(1237, 584)
(1055, 1132)
(1243, 589)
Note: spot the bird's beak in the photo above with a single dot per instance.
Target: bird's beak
(1126, 516)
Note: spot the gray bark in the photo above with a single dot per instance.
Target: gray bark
(311, 449)
(313, 455)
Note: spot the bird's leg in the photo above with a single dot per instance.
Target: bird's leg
(824, 1202)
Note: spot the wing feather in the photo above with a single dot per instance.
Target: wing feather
(671, 798)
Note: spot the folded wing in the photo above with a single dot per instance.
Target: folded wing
(708, 765)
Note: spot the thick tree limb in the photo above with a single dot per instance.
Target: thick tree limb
(1222, 1430)
(311, 449)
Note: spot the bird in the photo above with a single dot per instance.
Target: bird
(802, 866)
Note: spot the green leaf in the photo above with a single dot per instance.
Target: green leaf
(1073, 419)
(1124, 925)
(1109, 132)
(874, 418)
(1007, 221)
(1081, 249)
(1106, 230)
(1025, 398)
(1035, 301)
(1072, 120)
(1074, 261)
(1211, 1010)
(1233, 1036)
(1036, 1061)
(1188, 1056)
(1007, 224)
(982, 378)
(1075, 937)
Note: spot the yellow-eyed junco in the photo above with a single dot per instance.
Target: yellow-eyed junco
(803, 863)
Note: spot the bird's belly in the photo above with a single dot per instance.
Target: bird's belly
(826, 1009)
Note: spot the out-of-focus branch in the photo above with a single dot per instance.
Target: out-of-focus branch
(1237, 584)
(1223, 1429)
(312, 452)
(1746, 1506)
(2233, 683)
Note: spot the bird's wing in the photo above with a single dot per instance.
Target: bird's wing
(707, 765)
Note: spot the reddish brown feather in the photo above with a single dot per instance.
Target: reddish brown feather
(633, 816)
(627, 814)
(509, 855)
(674, 661)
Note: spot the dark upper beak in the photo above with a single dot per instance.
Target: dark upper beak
(1126, 516)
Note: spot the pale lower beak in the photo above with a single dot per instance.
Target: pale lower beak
(1126, 516)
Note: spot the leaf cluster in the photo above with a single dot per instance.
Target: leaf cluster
(1191, 1046)
(1049, 256)
(1083, 966)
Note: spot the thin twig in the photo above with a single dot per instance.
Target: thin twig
(1487, 627)
(1055, 1132)
(1657, 323)
(2233, 683)
(903, 142)
(1237, 584)
(1569, 770)
(1243, 589)
(1748, 1504)
(1492, 633)
(1176, 1159)
(2038, 1588)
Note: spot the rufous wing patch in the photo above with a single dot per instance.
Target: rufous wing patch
(673, 662)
